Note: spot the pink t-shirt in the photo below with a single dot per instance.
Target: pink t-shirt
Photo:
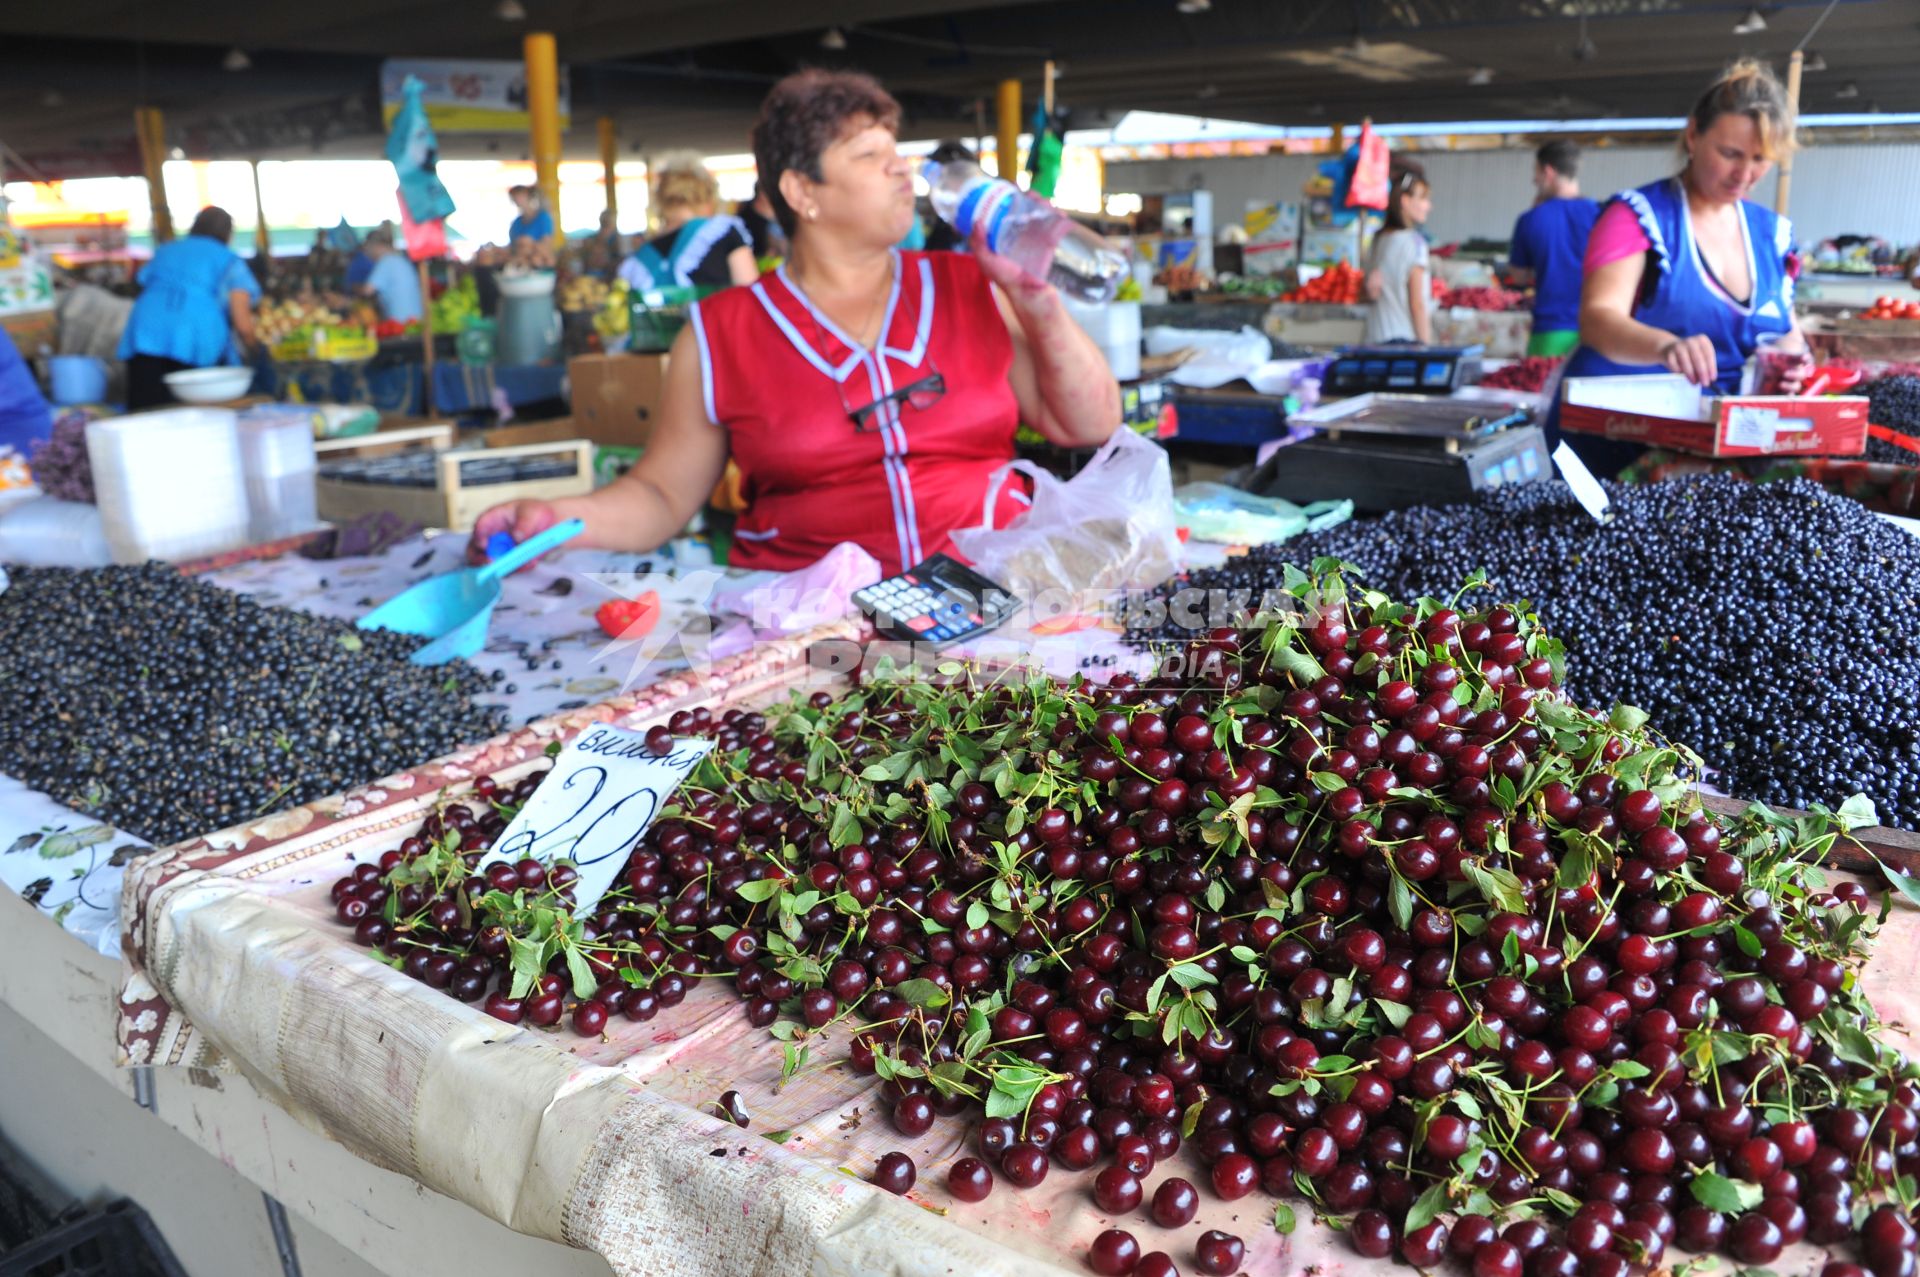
(1616, 235)
(1619, 234)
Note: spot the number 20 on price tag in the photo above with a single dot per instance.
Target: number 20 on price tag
(604, 790)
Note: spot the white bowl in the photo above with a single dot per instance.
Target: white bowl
(209, 385)
(533, 283)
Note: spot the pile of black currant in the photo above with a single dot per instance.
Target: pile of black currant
(1774, 627)
(1361, 911)
(172, 708)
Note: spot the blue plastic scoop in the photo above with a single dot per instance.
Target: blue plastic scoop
(454, 609)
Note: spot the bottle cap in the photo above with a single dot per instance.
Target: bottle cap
(499, 543)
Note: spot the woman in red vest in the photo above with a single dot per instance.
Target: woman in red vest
(866, 393)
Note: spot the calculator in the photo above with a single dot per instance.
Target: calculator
(938, 601)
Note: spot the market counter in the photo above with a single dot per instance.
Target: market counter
(198, 1148)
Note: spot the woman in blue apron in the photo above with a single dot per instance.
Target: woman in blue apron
(696, 249)
(1686, 275)
(195, 310)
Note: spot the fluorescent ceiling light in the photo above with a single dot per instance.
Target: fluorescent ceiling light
(1481, 77)
(236, 60)
(833, 39)
(1754, 22)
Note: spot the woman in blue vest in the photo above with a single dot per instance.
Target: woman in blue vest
(1687, 275)
(695, 249)
(195, 310)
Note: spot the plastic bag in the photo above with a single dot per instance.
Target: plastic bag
(1247, 346)
(1371, 180)
(424, 241)
(415, 155)
(45, 532)
(1230, 516)
(1110, 527)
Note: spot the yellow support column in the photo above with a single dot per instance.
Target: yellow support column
(609, 156)
(150, 131)
(543, 117)
(262, 237)
(1007, 156)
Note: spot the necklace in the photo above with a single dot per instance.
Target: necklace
(873, 313)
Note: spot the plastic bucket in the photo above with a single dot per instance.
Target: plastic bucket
(77, 379)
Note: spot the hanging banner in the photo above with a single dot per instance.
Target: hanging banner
(25, 282)
(465, 95)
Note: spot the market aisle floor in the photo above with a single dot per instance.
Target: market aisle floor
(79, 1132)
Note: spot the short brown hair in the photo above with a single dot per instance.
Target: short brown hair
(805, 114)
(213, 222)
(1562, 155)
(1749, 88)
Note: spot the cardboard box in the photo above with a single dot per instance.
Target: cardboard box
(617, 397)
(1665, 411)
(1273, 238)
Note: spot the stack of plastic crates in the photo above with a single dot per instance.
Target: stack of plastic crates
(36, 1240)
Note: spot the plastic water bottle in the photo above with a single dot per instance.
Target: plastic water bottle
(1042, 240)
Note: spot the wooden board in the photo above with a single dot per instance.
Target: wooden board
(449, 504)
(1896, 848)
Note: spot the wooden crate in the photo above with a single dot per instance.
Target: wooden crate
(437, 436)
(449, 503)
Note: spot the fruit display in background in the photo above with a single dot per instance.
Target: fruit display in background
(1772, 627)
(1892, 308)
(454, 307)
(615, 318)
(1356, 906)
(1341, 284)
(173, 708)
(583, 292)
(276, 321)
(1481, 297)
(1530, 374)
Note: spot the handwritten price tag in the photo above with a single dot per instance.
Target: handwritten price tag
(604, 790)
(1586, 489)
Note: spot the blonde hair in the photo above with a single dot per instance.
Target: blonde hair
(1750, 88)
(690, 187)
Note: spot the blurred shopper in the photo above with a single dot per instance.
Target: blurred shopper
(195, 310)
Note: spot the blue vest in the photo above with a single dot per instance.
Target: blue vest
(1685, 304)
(182, 311)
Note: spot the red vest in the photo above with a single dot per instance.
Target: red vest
(783, 380)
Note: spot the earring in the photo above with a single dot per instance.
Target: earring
(813, 214)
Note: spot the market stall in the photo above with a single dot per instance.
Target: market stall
(1314, 827)
(627, 1137)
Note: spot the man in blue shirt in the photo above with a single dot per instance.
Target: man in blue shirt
(393, 279)
(1549, 243)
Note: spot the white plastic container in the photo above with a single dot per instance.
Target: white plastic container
(1115, 328)
(169, 484)
(277, 458)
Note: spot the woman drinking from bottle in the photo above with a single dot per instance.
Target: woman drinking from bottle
(867, 394)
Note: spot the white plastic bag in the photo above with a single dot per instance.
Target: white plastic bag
(1231, 516)
(45, 532)
(1110, 527)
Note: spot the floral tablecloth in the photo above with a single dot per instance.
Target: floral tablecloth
(545, 641)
